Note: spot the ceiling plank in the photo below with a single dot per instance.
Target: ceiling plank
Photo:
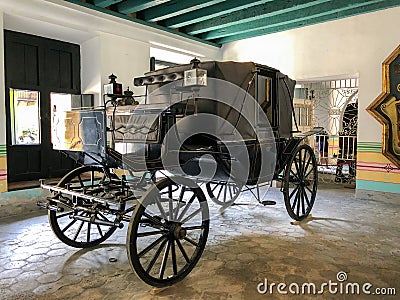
(137, 21)
(174, 8)
(369, 6)
(226, 7)
(251, 14)
(283, 19)
(105, 3)
(131, 6)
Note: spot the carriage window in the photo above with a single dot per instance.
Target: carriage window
(264, 95)
(25, 117)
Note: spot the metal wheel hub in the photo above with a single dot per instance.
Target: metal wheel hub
(178, 232)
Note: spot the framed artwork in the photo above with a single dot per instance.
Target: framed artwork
(386, 107)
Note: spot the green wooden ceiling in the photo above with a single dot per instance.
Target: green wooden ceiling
(217, 22)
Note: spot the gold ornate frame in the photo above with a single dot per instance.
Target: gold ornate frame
(378, 107)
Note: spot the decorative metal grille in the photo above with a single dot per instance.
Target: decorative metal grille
(334, 106)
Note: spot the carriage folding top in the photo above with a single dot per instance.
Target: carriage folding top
(125, 175)
(240, 74)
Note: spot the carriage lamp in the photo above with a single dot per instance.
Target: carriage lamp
(112, 88)
(195, 77)
(128, 98)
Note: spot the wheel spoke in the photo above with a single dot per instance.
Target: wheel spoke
(309, 190)
(69, 225)
(173, 255)
(300, 164)
(164, 260)
(142, 234)
(191, 241)
(230, 191)
(152, 245)
(295, 201)
(179, 202)
(186, 207)
(194, 227)
(294, 190)
(103, 217)
(160, 208)
(191, 215)
(170, 207)
(220, 190)
(302, 201)
(225, 190)
(183, 251)
(308, 163)
(295, 175)
(151, 218)
(64, 214)
(79, 230)
(88, 232)
(215, 187)
(306, 196)
(308, 173)
(298, 205)
(296, 166)
(155, 257)
(99, 229)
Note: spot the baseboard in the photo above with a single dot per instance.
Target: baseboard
(21, 202)
(385, 197)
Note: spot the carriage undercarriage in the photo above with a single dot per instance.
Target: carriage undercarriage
(168, 213)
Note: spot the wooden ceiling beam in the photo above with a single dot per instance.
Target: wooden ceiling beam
(174, 8)
(105, 3)
(132, 6)
(251, 14)
(210, 12)
(334, 14)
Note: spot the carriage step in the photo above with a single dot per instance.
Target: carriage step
(268, 202)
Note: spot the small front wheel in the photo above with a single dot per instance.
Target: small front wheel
(168, 232)
(73, 224)
(223, 193)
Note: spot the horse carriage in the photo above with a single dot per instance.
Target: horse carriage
(225, 125)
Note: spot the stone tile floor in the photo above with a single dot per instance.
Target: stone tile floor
(247, 244)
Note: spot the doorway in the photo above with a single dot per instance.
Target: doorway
(36, 68)
(333, 105)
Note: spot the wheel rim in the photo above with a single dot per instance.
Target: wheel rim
(300, 185)
(164, 247)
(223, 193)
(77, 232)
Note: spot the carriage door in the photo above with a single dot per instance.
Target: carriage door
(35, 68)
(332, 105)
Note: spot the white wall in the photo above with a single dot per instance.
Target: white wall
(126, 58)
(91, 68)
(338, 48)
(108, 44)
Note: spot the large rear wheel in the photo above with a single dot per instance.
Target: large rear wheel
(300, 183)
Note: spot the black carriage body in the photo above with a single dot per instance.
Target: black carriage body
(272, 90)
(278, 107)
